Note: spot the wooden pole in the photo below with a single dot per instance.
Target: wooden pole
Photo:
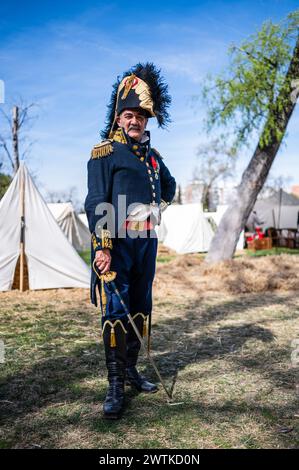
(279, 206)
(22, 237)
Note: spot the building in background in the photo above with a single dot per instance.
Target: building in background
(295, 190)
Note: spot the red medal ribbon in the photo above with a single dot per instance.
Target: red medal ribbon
(154, 163)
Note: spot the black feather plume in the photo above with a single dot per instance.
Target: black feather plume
(149, 73)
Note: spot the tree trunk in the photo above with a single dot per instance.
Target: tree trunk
(179, 195)
(205, 200)
(15, 140)
(234, 219)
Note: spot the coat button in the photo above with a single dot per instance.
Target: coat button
(141, 159)
(135, 147)
(149, 172)
(151, 179)
(147, 163)
(154, 194)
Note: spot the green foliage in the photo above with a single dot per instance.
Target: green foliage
(273, 251)
(4, 183)
(86, 256)
(254, 90)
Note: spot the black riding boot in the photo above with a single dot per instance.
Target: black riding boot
(115, 349)
(133, 347)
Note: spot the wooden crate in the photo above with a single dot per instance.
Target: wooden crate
(260, 244)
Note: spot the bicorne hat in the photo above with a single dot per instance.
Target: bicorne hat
(141, 87)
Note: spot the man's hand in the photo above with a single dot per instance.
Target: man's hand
(103, 260)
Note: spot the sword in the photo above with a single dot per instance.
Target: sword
(109, 279)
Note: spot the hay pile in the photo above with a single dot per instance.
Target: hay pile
(189, 276)
(241, 275)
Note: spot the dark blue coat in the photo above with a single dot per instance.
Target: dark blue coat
(128, 169)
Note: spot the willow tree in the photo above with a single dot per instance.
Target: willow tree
(255, 97)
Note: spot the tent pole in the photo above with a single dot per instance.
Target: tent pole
(279, 207)
(22, 240)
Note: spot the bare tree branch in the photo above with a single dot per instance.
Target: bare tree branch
(27, 150)
(4, 146)
(20, 117)
(24, 114)
(6, 116)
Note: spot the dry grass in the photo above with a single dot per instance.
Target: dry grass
(227, 330)
(241, 275)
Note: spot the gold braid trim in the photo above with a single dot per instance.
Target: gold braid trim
(112, 332)
(144, 331)
(144, 94)
(139, 313)
(119, 136)
(103, 149)
(94, 241)
(142, 90)
(128, 86)
(112, 338)
(106, 239)
(103, 297)
(107, 277)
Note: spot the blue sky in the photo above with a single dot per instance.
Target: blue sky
(66, 55)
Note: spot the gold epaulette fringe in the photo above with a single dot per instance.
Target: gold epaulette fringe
(103, 149)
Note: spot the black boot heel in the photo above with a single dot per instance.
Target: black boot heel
(133, 377)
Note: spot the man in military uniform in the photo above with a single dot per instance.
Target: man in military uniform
(128, 186)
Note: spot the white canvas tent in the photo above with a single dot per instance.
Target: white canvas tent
(279, 210)
(278, 216)
(185, 229)
(46, 255)
(72, 226)
(217, 216)
(83, 219)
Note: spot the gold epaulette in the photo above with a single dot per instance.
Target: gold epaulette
(103, 149)
(156, 152)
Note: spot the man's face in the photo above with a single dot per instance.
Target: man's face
(133, 122)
